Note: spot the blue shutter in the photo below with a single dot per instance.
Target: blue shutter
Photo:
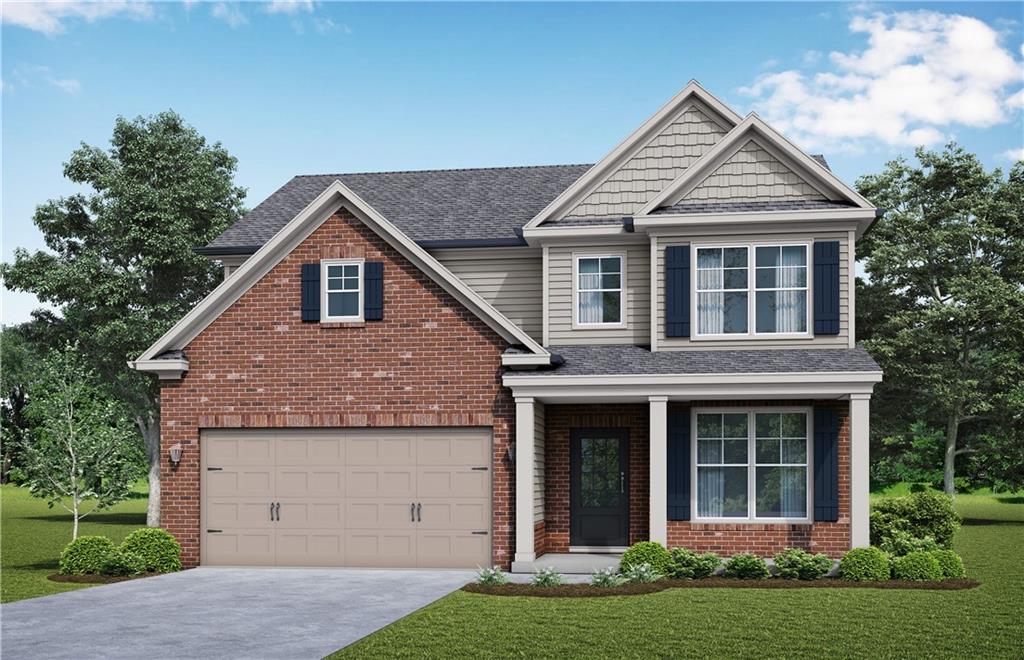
(677, 291)
(679, 465)
(826, 465)
(826, 287)
(373, 295)
(310, 292)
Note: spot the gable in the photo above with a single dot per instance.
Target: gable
(753, 174)
(654, 166)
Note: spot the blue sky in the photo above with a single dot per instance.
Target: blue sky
(304, 87)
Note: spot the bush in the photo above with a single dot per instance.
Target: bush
(864, 565)
(920, 566)
(642, 573)
(547, 577)
(898, 543)
(797, 564)
(647, 552)
(950, 564)
(160, 551)
(86, 555)
(746, 566)
(687, 564)
(920, 515)
(491, 576)
(121, 562)
(606, 577)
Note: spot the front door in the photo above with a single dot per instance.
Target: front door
(599, 487)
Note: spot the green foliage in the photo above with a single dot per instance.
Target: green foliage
(746, 566)
(606, 577)
(86, 555)
(119, 562)
(491, 576)
(918, 566)
(940, 310)
(647, 552)
(797, 564)
(547, 577)
(158, 550)
(898, 543)
(950, 563)
(642, 573)
(864, 565)
(920, 514)
(20, 369)
(687, 564)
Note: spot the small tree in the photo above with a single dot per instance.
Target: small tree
(84, 446)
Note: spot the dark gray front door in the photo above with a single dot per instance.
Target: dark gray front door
(599, 487)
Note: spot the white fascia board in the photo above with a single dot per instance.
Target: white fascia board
(164, 369)
(582, 236)
(640, 136)
(525, 360)
(855, 216)
(297, 230)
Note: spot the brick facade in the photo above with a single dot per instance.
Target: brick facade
(430, 362)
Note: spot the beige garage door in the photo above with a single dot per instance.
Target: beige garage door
(387, 498)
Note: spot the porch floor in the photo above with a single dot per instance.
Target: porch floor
(569, 563)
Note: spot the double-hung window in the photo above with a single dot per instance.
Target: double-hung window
(752, 465)
(342, 290)
(599, 290)
(751, 290)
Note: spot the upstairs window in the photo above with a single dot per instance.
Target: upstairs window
(781, 289)
(599, 299)
(342, 290)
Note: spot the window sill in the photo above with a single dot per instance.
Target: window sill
(748, 337)
(752, 521)
(342, 324)
(599, 326)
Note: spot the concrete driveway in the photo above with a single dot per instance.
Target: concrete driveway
(220, 613)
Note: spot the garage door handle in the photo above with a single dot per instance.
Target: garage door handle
(278, 511)
(419, 513)
(412, 512)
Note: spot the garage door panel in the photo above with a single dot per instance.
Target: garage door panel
(310, 482)
(369, 548)
(243, 482)
(453, 448)
(373, 514)
(229, 448)
(310, 547)
(452, 549)
(238, 513)
(455, 514)
(385, 448)
(452, 481)
(240, 547)
(304, 513)
(392, 482)
(298, 449)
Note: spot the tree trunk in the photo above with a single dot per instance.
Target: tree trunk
(948, 473)
(150, 429)
(74, 516)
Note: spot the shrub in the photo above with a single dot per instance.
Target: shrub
(898, 543)
(647, 552)
(160, 551)
(797, 564)
(950, 564)
(547, 577)
(491, 576)
(606, 577)
(746, 566)
(921, 566)
(122, 562)
(687, 564)
(85, 555)
(642, 573)
(864, 565)
(920, 515)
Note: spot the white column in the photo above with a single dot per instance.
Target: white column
(658, 479)
(860, 532)
(524, 479)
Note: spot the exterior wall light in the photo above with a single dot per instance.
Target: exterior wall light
(175, 455)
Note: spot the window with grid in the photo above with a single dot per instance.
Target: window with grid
(599, 290)
(722, 290)
(780, 283)
(343, 291)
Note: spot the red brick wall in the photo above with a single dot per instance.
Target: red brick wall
(560, 419)
(430, 362)
(768, 539)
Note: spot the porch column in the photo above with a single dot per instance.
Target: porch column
(524, 479)
(860, 535)
(658, 505)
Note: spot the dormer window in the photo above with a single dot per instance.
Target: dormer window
(599, 291)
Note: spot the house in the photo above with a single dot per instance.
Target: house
(458, 368)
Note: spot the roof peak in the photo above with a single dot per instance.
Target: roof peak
(447, 169)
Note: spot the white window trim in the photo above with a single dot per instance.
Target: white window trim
(623, 302)
(324, 263)
(751, 290)
(751, 466)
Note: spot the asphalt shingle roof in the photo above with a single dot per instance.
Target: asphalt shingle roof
(629, 360)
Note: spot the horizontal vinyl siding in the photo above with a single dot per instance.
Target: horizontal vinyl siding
(538, 462)
(508, 278)
(821, 341)
(638, 299)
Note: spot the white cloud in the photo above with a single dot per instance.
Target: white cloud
(811, 57)
(30, 75)
(68, 85)
(229, 12)
(1013, 154)
(327, 26)
(290, 6)
(922, 74)
(51, 18)
(1016, 100)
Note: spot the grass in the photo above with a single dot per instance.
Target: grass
(983, 622)
(33, 535)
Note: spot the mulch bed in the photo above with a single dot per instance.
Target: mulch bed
(587, 591)
(96, 579)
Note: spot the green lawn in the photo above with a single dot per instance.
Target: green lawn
(32, 536)
(983, 623)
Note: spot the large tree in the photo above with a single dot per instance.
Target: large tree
(121, 265)
(942, 306)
